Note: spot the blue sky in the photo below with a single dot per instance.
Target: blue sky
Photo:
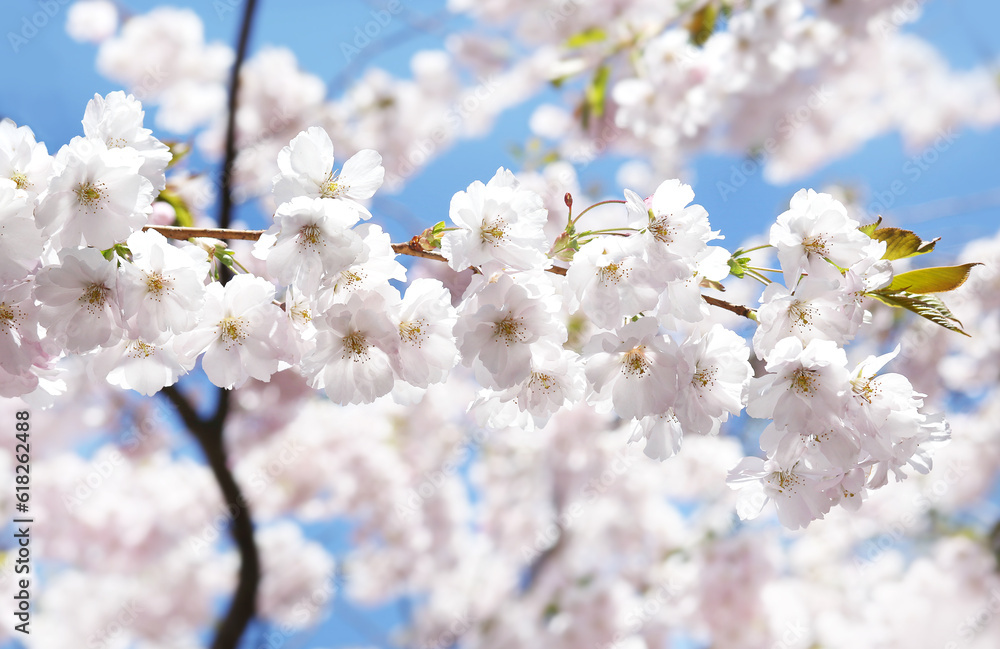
(48, 81)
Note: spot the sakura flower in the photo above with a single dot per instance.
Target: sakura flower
(355, 345)
(806, 385)
(635, 368)
(713, 382)
(134, 364)
(817, 227)
(116, 120)
(426, 321)
(663, 434)
(80, 301)
(610, 281)
(372, 274)
(23, 161)
(162, 289)
(500, 225)
(556, 380)
(813, 311)
(97, 197)
(306, 169)
(20, 345)
(20, 240)
(888, 412)
(299, 310)
(242, 332)
(798, 492)
(495, 331)
(310, 238)
(674, 232)
(92, 21)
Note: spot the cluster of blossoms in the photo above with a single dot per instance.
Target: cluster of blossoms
(83, 278)
(651, 80)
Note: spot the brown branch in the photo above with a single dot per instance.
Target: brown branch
(409, 248)
(176, 232)
(226, 178)
(738, 309)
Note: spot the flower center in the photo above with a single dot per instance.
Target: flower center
(662, 230)
(138, 349)
(232, 331)
(90, 195)
(801, 314)
(310, 236)
(509, 329)
(494, 232)
(865, 389)
(804, 381)
(817, 245)
(20, 180)
(611, 274)
(542, 382)
(635, 362)
(356, 347)
(155, 283)
(331, 188)
(349, 280)
(94, 297)
(412, 331)
(705, 376)
(9, 316)
(785, 479)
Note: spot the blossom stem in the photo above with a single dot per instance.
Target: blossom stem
(172, 232)
(740, 251)
(595, 205)
(757, 276)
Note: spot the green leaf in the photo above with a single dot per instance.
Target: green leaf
(931, 280)
(925, 306)
(594, 95)
(586, 37)
(182, 214)
(870, 228)
(738, 266)
(178, 151)
(902, 243)
(702, 24)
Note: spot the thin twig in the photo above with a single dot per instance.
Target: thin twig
(407, 248)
